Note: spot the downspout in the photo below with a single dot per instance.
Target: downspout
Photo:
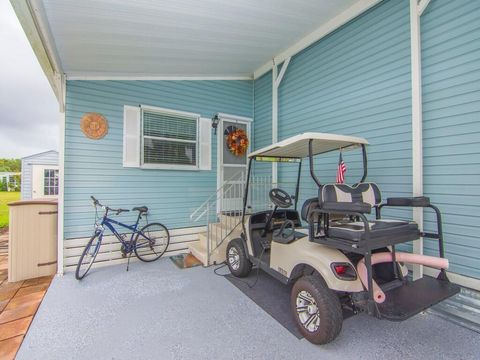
(416, 9)
(276, 81)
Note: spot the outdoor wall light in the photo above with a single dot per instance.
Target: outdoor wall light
(215, 121)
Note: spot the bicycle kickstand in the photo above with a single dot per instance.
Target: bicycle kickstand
(128, 261)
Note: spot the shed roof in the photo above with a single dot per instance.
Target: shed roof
(40, 154)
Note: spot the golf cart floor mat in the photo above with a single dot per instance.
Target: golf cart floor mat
(414, 297)
(272, 296)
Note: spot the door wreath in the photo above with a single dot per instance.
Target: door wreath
(237, 141)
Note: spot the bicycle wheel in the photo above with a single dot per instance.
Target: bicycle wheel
(88, 256)
(151, 242)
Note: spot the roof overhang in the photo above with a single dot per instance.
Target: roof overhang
(297, 146)
(171, 40)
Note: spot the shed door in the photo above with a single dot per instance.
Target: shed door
(44, 181)
(232, 167)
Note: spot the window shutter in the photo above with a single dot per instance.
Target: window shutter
(205, 145)
(131, 136)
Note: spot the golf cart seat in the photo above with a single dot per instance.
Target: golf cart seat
(308, 206)
(352, 201)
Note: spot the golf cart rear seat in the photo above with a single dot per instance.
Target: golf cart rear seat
(343, 208)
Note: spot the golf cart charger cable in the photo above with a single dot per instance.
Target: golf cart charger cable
(250, 286)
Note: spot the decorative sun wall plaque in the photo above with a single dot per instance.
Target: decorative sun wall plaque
(94, 125)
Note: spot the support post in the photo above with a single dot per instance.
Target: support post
(417, 138)
(274, 120)
(61, 83)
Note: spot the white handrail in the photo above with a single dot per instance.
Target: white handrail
(223, 209)
(207, 202)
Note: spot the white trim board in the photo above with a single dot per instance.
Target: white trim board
(156, 77)
(352, 12)
(40, 41)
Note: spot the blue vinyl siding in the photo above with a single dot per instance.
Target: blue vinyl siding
(262, 126)
(451, 127)
(356, 81)
(94, 167)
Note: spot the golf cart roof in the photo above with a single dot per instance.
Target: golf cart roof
(297, 146)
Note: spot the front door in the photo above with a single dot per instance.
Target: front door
(232, 162)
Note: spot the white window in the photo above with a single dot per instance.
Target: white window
(44, 181)
(157, 138)
(50, 182)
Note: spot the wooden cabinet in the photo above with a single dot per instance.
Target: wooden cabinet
(32, 248)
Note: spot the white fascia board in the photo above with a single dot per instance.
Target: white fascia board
(352, 12)
(40, 42)
(154, 77)
(39, 15)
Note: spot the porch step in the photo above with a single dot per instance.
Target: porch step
(462, 309)
(199, 251)
(217, 255)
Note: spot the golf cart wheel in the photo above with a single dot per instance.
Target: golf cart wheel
(316, 310)
(237, 259)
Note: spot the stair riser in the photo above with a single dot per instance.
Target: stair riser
(217, 256)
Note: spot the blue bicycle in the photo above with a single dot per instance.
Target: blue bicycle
(149, 243)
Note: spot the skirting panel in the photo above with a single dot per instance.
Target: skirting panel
(110, 253)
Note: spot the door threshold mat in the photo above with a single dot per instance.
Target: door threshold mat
(185, 261)
(272, 296)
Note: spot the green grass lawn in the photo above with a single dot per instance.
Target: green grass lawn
(5, 198)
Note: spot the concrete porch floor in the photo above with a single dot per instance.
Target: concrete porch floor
(158, 311)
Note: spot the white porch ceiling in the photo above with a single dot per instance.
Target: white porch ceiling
(186, 38)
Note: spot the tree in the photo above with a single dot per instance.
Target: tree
(4, 186)
(10, 165)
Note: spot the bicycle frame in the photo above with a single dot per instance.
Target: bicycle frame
(109, 223)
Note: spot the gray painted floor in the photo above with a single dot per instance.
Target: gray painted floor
(156, 311)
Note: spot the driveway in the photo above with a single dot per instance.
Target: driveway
(156, 311)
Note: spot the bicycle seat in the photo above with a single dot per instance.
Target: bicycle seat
(142, 209)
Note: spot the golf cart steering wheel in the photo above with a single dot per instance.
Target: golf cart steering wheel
(280, 198)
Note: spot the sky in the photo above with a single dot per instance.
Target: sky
(29, 112)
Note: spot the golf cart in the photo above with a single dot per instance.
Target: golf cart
(346, 257)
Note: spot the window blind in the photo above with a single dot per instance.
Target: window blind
(169, 139)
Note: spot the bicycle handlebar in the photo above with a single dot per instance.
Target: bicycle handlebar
(97, 203)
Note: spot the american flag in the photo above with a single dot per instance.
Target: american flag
(341, 170)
